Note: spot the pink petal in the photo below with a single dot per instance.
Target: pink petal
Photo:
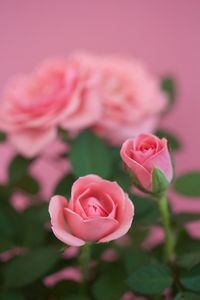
(137, 169)
(59, 224)
(30, 142)
(99, 187)
(162, 161)
(125, 224)
(91, 229)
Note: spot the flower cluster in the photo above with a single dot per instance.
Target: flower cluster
(116, 97)
(99, 210)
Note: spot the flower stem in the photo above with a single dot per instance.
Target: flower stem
(169, 250)
(84, 261)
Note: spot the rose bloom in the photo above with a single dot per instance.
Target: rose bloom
(58, 93)
(98, 211)
(143, 154)
(132, 99)
(131, 96)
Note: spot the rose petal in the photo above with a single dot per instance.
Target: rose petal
(161, 160)
(30, 142)
(91, 229)
(141, 173)
(59, 224)
(125, 224)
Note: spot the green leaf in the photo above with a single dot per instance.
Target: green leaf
(147, 212)
(63, 290)
(190, 244)
(151, 279)
(189, 260)
(183, 218)
(159, 182)
(26, 269)
(90, 155)
(28, 184)
(32, 233)
(9, 295)
(2, 137)
(135, 259)
(191, 279)
(75, 297)
(188, 184)
(18, 169)
(168, 86)
(186, 296)
(109, 286)
(64, 186)
(9, 220)
(5, 192)
(172, 139)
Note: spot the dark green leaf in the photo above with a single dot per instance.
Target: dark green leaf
(32, 233)
(109, 286)
(183, 218)
(9, 295)
(138, 234)
(189, 260)
(151, 279)
(63, 290)
(191, 279)
(186, 296)
(159, 181)
(135, 259)
(75, 297)
(168, 86)
(90, 155)
(28, 184)
(188, 184)
(30, 267)
(9, 220)
(2, 137)
(190, 244)
(147, 212)
(172, 139)
(64, 186)
(18, 169)
(5, 192)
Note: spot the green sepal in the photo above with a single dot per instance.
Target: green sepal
(159, 182)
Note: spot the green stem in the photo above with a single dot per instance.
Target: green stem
(84, 261)
(169, 237)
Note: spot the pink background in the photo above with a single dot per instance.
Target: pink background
(165, 34)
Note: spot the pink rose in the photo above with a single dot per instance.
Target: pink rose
(98, 211)
(145, 153)
(58, 93)
(132, 99)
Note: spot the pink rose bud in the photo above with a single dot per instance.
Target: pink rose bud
(98, 211)
(148, 159)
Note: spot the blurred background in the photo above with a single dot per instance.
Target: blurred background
(165, 34)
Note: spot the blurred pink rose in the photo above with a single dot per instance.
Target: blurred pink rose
(58, 93)
(98, 211)
(132, 99)
(70, 252)
(109, 255)
(144, 153)
(131, 296)
(9, 254)
(69, 273)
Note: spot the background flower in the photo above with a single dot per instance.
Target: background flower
(56, 94)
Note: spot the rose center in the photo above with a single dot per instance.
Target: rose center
(146, 147)
(94, 208)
